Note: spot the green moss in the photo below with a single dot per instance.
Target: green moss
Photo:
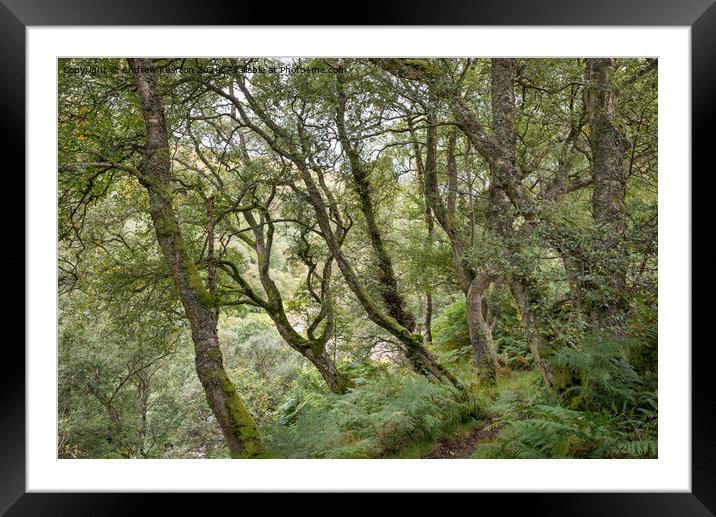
(487, 372)
(167, 227)
(244, 424)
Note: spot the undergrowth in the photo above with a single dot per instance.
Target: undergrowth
(383, 414)
(606, 410)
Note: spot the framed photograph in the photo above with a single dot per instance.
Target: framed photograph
(430, 251)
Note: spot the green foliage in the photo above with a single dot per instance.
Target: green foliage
(609, 415)
(253, 342)
(259, 394)
(450, 330)
(510, 343)
(553, 431)
(107, 366)
(534, 423)
(127, 380)
(451, 337)
(599, 377)
(644, 334)
(373, 420)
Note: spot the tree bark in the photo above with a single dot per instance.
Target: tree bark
(143, 383)
(428, 320)
(609, 147)
(238, 426)
(480, 331)
(520, 292)
(388, 283)
(430, 223)
(472, 283)
(428, 315)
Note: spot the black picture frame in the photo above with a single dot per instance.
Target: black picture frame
(700, 15)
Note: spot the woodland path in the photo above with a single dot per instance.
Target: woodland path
(462, 446)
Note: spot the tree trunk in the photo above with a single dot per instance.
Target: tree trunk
(609, 148)
(428, 321)
(430, 222)
(520, 292)
(473, 284)
(428, 318)
(237, 424)
(388, 284)
(336, 381)
(480, 331)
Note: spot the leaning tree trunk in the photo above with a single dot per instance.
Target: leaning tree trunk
(336, 381)
(388, 283)
(237, 424)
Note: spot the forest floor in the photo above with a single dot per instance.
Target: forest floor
(462, 445)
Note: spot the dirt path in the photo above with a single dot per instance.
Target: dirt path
(461, 446)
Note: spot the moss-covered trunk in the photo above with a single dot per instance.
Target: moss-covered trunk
(336, 381)
(387, 281)
(237, 424)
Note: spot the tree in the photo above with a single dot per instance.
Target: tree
(244, 203)
(609, 148)
(236, 422)
(298, 150)
(252, 249)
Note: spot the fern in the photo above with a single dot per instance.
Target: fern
(534, 430)
(598, 377)
(377, 418)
